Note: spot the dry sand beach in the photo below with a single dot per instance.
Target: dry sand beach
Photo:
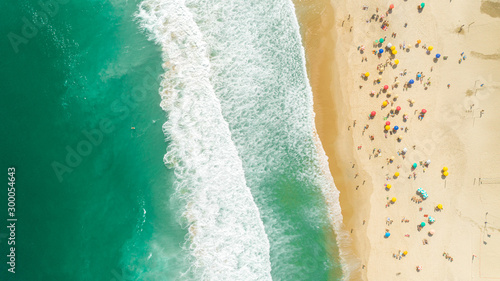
(460, 92)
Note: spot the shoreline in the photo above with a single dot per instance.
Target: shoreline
(318, 30)
(457, 133)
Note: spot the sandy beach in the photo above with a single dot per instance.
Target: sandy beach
(459, 92)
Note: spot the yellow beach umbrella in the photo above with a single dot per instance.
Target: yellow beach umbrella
(419, 41)
(405, 253)
(387, 127)
(388, 186)
(385, 103)
(396, 61)
(445, 168)
(430, 48)
(396, 174)
(394, 52)
(367, 74)
(393, 48)
(446, 173)
(393, 199)
(440, 207)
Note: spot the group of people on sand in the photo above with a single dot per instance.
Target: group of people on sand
(447, 256)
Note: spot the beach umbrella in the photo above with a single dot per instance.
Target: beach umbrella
(393, 199)
(392, 158)
(422, 5)
(388, 186)
(430, 48)
(445, 174)
(367, 74)
(432, 231)
(394, 52)
(391, 6)
(388, 122)
(405, 253)
(393, 48)
(419, 75)
(381, 51)
(396, 174)
(385, 103)
(389, 45)
(419, 190)
(412, 101)
(424, 111)
(414, 165)
(405, 150)
(386, 87)
(440, 206)
(422, 224)
(387, 127)
(445, 168)
(431, 220)
(396, 61)
(438, 56)
(428, 162)
(396, 128)
(373, 113)
(411, 81)
(387, 234)
(419, 41)
(381, 40)
(398, 108)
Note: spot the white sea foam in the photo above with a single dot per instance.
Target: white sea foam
(227, 237)
(259, 73)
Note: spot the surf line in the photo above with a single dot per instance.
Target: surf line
(226, 233)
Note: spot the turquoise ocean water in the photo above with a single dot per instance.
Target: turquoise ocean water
(218, 177)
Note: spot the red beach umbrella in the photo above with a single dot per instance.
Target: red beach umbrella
(373, 113)
(388, 123)
(386, 87)
(398, 108)
(391, 6)
(424, 111)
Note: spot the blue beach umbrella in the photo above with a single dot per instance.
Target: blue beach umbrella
(396, 128)
(411, 81)
(438, 56)
(419, 75)
(381, 51)
(387, 234)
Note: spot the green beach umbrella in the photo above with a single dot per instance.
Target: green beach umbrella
(422, 5)
(414, 165)
(381, 40)
(422, 224)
